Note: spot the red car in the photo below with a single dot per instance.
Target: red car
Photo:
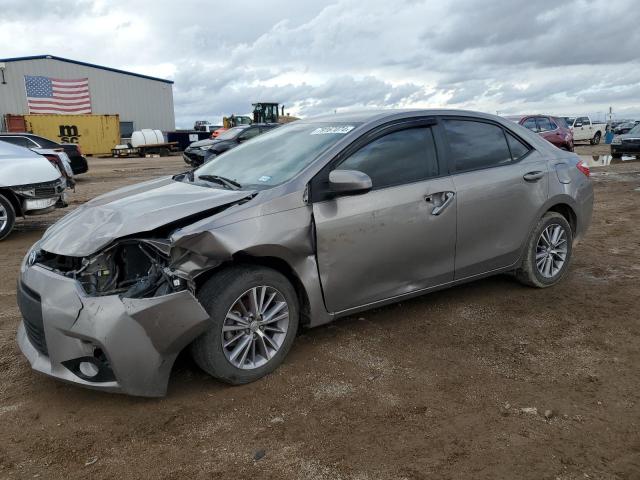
(552, 129)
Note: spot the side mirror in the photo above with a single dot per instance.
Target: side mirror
(348, 182)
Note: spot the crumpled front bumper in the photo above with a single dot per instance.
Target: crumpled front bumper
(132, 343)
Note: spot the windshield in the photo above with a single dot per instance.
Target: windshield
(570, 120)
(230, 134)
(635, 130)
(276, 156)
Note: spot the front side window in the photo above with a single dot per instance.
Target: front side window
(530, 123)
(397, 158)
(476, 145)
(544, 124)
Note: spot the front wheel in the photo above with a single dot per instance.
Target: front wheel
(254, 316)
(7, 217)
(548, 252)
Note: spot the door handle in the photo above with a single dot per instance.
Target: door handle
(445, 197)
(533, 176)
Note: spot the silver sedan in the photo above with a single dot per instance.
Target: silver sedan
(313, 221)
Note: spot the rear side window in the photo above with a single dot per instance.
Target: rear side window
(544, 124)
(530, 123)
(20, 141)
(561, 122)
(45, 142)
(518, 149)
(399, 157)
(475, 145)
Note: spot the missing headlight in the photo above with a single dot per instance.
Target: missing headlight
(130, 268)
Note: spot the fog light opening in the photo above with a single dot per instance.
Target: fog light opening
(93, 369)
(88, 369)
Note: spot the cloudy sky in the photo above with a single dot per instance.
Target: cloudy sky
(510, 56)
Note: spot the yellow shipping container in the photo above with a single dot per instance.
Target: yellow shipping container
(96, 134)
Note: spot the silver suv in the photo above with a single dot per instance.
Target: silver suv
(313, 221)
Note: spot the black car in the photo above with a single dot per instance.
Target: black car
(623, 128)
(78, 161)
(204, 150)
(626, 144)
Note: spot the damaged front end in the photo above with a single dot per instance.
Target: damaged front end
(130, 268)
(114, 320)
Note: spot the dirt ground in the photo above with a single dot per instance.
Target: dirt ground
(455, 384)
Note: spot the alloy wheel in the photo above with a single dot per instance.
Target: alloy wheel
(4, 218)
(551, 250)
(255, 327)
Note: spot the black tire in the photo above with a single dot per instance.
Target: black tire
(596, 139)
(528, 272)
(217, 296)
(7, 207)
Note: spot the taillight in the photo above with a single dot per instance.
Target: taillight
(583, 168)
(53, 159)
(79, 149)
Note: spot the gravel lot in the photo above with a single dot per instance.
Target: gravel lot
(484, 381)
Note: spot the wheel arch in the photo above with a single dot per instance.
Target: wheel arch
(567, 212)
(15, 202)
(276, 263)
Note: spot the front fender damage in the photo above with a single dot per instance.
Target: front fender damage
(287, 237)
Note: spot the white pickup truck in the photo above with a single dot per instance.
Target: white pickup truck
(584, 129)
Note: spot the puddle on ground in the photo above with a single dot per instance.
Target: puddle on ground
(604, 160)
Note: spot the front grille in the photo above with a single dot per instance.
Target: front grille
(195, 155)
(46, 189)
(631, 141)
(31, 308)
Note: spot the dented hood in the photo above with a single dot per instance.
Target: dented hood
(135, 209)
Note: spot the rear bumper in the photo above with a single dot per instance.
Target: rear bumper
(584, 210)
(79, 164)
(131, 343)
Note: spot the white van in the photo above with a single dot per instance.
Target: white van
(29, 185)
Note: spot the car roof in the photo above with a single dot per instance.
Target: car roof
(367, 116)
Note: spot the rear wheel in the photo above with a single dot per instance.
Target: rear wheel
(548, 252)
(7, 217)
(254, 318)
(596, 139)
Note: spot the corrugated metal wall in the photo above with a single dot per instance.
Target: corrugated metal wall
(148, 103)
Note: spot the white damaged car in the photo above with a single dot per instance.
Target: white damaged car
(29, 185)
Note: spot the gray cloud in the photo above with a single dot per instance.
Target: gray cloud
(577, 56)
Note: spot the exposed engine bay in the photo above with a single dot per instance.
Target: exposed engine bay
(132, 268)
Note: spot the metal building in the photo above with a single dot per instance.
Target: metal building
(141, 101)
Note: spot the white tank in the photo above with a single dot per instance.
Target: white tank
(146, 136)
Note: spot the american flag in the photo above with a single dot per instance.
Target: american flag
(56, 95)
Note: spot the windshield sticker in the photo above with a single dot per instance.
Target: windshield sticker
(342, 129)
(264, 178)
